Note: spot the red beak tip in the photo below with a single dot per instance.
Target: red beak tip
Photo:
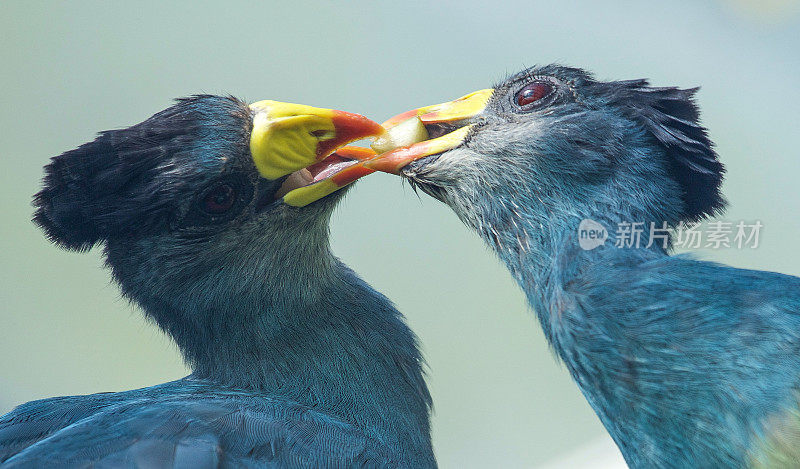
(355, 125)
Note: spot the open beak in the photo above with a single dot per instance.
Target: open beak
(302, 141)
(341, 168)
(448, 124)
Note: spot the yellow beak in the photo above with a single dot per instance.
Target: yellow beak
(289, 137)
(453, 113)
(464, 107)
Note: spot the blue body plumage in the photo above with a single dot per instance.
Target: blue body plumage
(687, 363)
(296, 361)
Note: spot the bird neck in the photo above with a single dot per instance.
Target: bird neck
(546, 258)
(547, 249)
(552, 257)
(655, 343)
(302, 327)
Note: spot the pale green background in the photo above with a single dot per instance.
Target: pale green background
(70, 69)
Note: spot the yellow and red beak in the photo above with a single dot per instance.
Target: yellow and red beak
(450, 114)
(352, 164)
(286, 138)
(306, 143)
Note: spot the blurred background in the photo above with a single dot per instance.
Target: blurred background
(70, 69)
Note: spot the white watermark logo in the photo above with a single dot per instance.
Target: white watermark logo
(714, 235)
(591, 234)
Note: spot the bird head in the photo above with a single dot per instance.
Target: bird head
(206, 186)
(554, 142)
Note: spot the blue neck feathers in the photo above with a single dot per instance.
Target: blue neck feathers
(679, 371)
(319, 336)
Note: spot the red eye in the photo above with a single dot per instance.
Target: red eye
(533, 92)
(220, 199)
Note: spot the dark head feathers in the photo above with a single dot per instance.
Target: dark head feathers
(121, 183)
(671, 117)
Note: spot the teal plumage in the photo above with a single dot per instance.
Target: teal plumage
(296, 361)
(687, 363)
(185, 423)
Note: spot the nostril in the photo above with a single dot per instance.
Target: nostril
(322, 134)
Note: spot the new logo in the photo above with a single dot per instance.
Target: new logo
(591, 234)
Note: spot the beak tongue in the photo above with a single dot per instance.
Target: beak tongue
(402, 150)
(288, 137)
(303, 196)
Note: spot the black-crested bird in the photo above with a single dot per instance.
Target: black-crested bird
(214, 219)
(687, 363)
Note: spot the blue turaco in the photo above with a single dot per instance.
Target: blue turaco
(687, 363)
(213, 215)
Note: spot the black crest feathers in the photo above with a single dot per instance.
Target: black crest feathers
(97, 189)
(124, 180)
(64, 206)
(671, 116)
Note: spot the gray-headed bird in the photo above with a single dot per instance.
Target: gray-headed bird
(575, 183)
(213, 215)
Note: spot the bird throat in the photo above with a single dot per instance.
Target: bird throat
(317, 335)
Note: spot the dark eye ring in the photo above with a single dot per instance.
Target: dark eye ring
(219, 199)
(534, 92)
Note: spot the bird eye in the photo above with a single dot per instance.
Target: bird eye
(219, 199)
(533, 92)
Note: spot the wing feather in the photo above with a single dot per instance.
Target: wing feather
(183, 425)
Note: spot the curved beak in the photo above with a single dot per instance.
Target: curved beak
(287, 138)
(453, 116)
